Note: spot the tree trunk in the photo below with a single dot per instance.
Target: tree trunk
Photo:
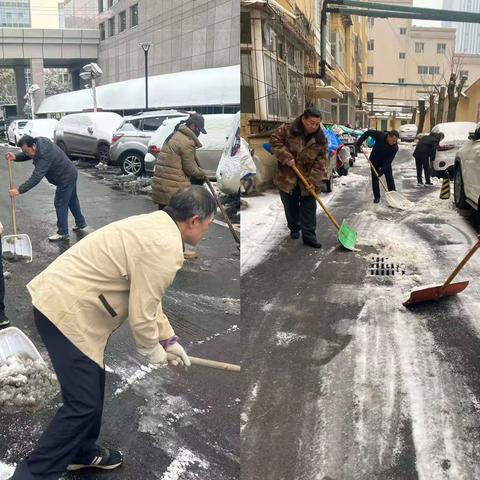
(452, 98)
(414, 114)
(421, 116)
(441, 104)
(431, 109)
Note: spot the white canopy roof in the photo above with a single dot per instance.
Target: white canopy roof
(210, 86)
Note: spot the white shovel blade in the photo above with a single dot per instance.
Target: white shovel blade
(396, 200)
(13, 342)
(17, 247)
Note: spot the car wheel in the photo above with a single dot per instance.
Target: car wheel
(103, 153)
(132, 163)
(458, 191)
(62, 147)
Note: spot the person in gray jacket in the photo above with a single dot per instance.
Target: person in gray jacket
(53, 164)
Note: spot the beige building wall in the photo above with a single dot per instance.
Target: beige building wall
(44, 13)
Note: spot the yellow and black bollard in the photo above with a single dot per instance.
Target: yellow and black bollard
(445, 190)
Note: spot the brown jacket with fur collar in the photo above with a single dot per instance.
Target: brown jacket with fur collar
(288, 142)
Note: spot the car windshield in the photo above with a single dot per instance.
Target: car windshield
(130, 126)
(21, 124)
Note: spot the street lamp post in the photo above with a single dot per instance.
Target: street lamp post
(31, 90)
(91, 72)
(145, 47)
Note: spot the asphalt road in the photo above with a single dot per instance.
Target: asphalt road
(341, 381)
(170, 424)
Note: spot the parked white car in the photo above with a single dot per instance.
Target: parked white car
(87, 135)
(455, 135)
(15, 131)
(407, 132)
(217, 127)
(41, 127)
(466, 185)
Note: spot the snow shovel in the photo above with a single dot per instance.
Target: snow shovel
(14, 342)
(204, 362)
(346, 236)
(448, 289)
(394, 199)
(17, 246)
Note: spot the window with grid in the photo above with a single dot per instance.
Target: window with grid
(134, 15)
(100, 6)
(111, 26)
(441, 47)
(463, 73)
(245, 28)
(122, 20)
(434, 70)
(401, 55)
(403, 31)
(401, 80)
(102, 31)
(371, 45)
(419, 47)
(422, 70)
(369, 70)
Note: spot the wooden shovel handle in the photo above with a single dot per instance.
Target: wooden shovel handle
(12, 199)
(376, 173)
(204, 362)
(461, 265)
(314, 194)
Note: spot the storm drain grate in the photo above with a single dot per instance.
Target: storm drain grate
(380, 266)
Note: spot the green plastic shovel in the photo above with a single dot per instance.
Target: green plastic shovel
(346, 236)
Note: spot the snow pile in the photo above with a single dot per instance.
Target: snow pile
(25, 383)
(286, 338)
(180, 464)
(6, 471)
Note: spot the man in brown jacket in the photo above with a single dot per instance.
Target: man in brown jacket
(304, 145)
(117, 272)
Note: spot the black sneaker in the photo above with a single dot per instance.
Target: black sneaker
(295, 235)
(76, 228)
(376, 200)
(312, 243)
(106, 459)
(4, 321)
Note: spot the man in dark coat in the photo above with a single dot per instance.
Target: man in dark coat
(304, 145)
(424, 155)
(382, 156)
(52, 163)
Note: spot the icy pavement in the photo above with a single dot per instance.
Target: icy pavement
(346, 383)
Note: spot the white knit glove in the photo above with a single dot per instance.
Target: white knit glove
(156, 356)
(177, 355)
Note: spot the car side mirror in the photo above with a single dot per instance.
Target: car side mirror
(90, 130)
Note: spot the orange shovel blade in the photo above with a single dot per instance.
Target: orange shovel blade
(435, 293)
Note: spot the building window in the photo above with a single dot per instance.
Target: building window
(370, 45)
(134, 15)
(434, 70)
(371, 21)
(369, 70)
(245, 28)
(15, 13)
(111, 3)
(111, 26)
(403, 31)
(247, 92)
(422, 70)
(419, 47)
(441, 47)
(463, 73)
(122, 17)
(401, 55)
(100, 6)
(401, 80)
(102, 31)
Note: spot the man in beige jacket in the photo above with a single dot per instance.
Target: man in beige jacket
(117, 272)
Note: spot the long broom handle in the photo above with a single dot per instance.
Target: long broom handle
(220, 206)
(314, 194)
(12, 199)
(461, 265)
(376, 173)
(204, 362)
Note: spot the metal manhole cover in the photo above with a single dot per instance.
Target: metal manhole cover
(381, 266)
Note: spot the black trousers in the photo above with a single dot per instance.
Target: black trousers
(72, 434)
(423, 163)
(388, 175)
(2, 282)
(300, 212)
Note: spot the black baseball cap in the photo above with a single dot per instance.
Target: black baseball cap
(197, 120)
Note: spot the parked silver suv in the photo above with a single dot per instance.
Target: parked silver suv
(130, 140)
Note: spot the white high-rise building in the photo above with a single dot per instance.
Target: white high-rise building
(468, 34)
